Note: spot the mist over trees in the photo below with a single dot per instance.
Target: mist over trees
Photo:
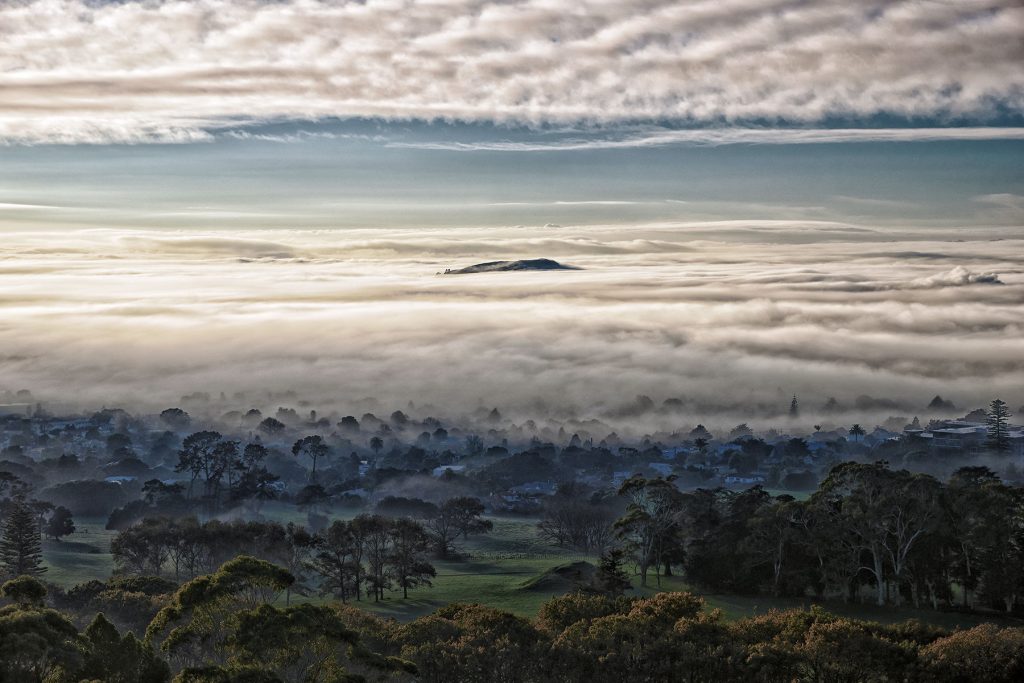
(244, 518)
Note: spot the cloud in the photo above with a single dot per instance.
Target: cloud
(16, 206)
(713, 137)
(173, 71)
(957, 277)
(581, 202)
(733, 320)
(209, 246)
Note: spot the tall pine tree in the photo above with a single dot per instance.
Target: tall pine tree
(998, 439)
(21, 547)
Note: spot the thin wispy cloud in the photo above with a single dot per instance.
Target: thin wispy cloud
(73, 71)
(578, 202)
(728, 136)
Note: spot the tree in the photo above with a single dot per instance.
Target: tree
(664, 638)
(294, 552)
(313, 447)
(143, 548)
(176, 418)
(41, 509)
(257, 485)
(575, 517)
(794, 408)
(650, 515)
(191, 629)
(773, 530)
(999, 544)
(998, 440)
(984, 653)
(970, 503)
(473, 644)
(253, 456)
(196, 455)
(857, 432)
(303, 643)
(61, 523)
(311, 497)
(456, 517)
(408, 566)
(25, 591)
(610, 579)
(156, 492)
(701, 444)
(271, 426)
(114, 658)
(37, 645)
(377, 541)
(474, 445)
(881, 513)
(376, 444)
(21, 549)
(225, 463)
(337, 558)
(561, 612)
(349, 424)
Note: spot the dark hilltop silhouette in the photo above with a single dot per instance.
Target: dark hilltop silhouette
(503, 266)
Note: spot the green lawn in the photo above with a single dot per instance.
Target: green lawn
(501, 570)
(497, 572)
(80, 557)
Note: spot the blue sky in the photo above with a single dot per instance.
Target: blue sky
(332, 113)
(380, 174)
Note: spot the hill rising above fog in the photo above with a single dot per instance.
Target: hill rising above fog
(504, 266)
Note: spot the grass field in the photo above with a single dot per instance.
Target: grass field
(508, 569)
(83, 556)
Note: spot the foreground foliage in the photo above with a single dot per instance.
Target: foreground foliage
(229, 627)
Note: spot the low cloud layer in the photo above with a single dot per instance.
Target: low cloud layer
(957, 277)
(725, 136)
(735, 324)
(74, 71)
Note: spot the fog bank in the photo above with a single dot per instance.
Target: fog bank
(732, 317)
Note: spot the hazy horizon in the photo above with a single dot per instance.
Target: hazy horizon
(763, 198)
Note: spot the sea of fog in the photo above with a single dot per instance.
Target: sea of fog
(734, 318)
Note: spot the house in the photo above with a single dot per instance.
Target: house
(454, 469)
(744, 480)
(673, 452)
(964, 439)
(535, 488)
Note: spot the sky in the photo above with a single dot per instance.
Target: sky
(763, 197)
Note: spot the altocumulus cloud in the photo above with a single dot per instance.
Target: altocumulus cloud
(73, 71)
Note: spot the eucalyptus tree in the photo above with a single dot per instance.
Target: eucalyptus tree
(652, 510)
(881, 512)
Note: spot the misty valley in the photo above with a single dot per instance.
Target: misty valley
(511, 341)
(217, 541)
